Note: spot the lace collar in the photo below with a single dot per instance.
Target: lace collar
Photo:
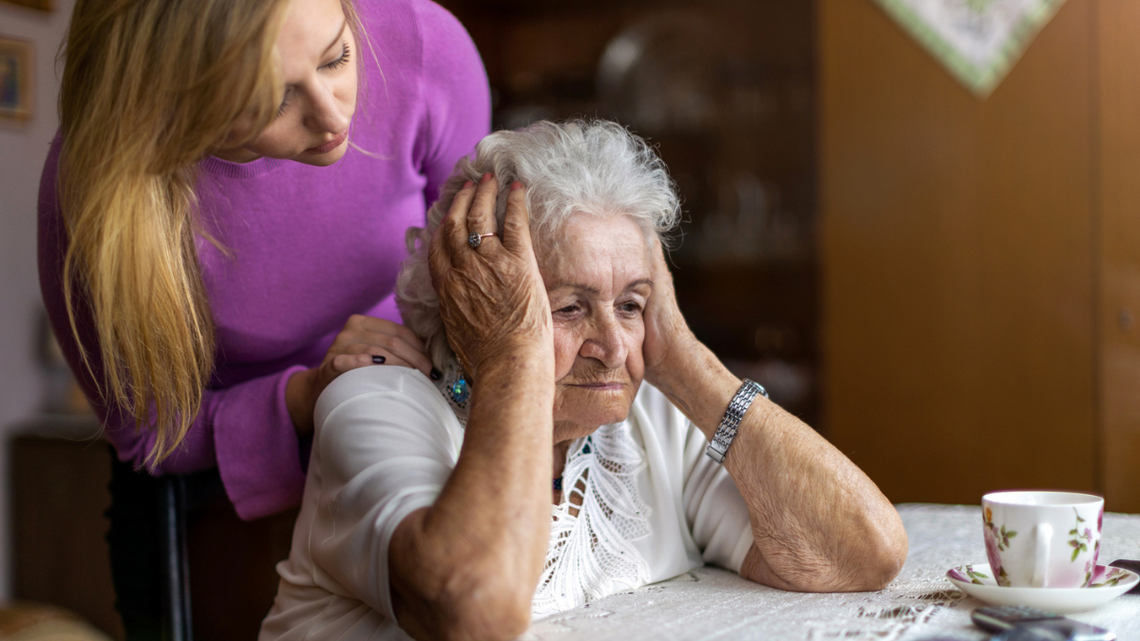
(591, 552)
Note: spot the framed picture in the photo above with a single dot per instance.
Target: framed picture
(42, 5)
(16, 78)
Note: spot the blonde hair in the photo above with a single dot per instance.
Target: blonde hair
(150, 88)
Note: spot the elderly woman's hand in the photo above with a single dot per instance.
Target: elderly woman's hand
(669, 343)
(833, 530)
(491, 297)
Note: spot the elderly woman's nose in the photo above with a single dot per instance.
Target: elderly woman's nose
(606, 343)
(326, 113)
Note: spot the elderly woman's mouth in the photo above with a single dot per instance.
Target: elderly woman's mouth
(600, 387)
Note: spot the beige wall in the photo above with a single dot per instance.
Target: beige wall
(23, 148)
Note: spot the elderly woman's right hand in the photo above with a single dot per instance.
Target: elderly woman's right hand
(467, 566)
(491, 298)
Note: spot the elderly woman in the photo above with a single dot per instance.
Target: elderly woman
(563, 455)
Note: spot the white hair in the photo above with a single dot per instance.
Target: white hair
(594, 167)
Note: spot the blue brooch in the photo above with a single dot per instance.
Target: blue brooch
(460, 391)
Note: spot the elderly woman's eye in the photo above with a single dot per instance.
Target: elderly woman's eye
(631, 307)
(569, 309)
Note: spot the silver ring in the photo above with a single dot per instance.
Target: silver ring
(477, 239)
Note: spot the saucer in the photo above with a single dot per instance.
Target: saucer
(1108, 583)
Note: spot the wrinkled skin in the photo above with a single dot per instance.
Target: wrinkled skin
(598, 280)
(493, 287)
(667, 335)
(466, 567)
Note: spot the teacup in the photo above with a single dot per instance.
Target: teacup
(1042, 539)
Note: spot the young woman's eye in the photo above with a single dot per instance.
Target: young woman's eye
(284, 104)
(345, 53)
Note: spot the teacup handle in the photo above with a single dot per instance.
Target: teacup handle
(1041, 561)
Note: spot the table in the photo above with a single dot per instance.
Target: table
(710, 603)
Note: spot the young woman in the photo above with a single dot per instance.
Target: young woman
(222, 215)
(231, 186)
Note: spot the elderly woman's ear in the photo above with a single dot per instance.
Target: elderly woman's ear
(488, 279)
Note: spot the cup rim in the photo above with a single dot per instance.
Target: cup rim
(1060, 498)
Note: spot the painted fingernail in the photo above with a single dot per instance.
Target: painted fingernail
(467, 184)
(436, 374)
(486, 177)
(516, 185)
(379, 360)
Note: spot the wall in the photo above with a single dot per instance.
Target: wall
(23, 147)
(981, 259)
(1118, 199)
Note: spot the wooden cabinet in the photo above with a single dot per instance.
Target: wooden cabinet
(60, 474)
(981, 259)
(59, 493)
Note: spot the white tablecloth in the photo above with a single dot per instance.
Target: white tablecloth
(921, 603)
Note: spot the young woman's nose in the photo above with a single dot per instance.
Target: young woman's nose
(326, 113)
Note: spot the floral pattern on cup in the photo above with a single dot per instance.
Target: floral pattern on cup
(1107, 576)
(1080, 540)
(971, 575)
(1100, 530)
(997, 540)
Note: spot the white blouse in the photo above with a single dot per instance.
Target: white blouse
(653, 505)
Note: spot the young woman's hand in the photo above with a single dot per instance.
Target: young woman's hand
(364, 341)
(491, 297)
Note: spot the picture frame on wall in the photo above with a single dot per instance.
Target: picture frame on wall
(41, 5)
(16, 73)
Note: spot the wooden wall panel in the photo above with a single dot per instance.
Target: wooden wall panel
(1118, 92)
(957, 240)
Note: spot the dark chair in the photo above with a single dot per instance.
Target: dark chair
(150, 564)
(176, 619)
(165, 530)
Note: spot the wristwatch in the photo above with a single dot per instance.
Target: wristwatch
(740, 403)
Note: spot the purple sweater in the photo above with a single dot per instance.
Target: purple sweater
(310, 247)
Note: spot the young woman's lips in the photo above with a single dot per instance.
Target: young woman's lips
(330, 145)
